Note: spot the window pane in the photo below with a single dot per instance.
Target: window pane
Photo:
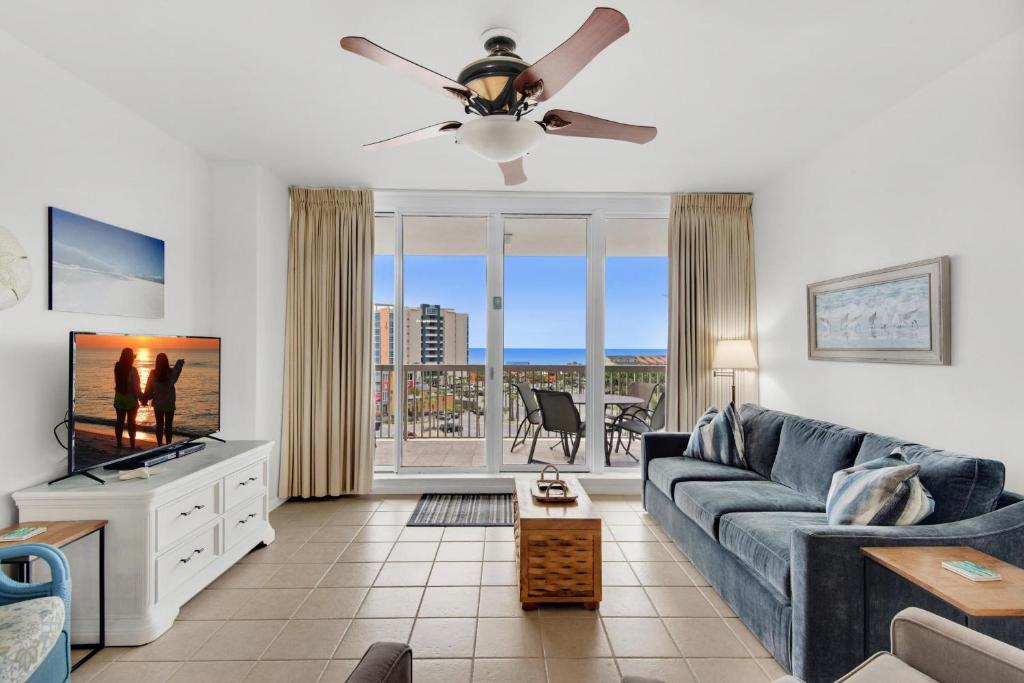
(636, 330)
(545, 328)
(445, 334)
(383, 341)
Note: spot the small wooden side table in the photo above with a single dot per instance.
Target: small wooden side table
(60, 534)
(558, 547)
(984, 606)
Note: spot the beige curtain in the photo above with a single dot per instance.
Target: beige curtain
(327, 431)
(711, 297)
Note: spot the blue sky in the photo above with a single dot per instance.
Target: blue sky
(545, 297)
(87, 243)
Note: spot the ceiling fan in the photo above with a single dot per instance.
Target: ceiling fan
(501, 89)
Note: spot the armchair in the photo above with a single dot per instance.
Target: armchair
(35, 618)
(926, 647)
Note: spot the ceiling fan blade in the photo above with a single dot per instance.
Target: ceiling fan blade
(548, 75)
(574, 124)
(433, 80)
(513, 171)
(437, 130)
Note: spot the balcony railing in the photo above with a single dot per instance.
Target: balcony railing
(447, 401)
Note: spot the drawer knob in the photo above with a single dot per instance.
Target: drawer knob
(189, 512)
(246, 482)
(250, 516)
(186, 560)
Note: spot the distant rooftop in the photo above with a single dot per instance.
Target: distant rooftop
(638, 360)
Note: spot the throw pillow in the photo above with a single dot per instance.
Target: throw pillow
(718, 437)
(882, 492)
(694, 446)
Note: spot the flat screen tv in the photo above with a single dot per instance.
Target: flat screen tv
(134, 394)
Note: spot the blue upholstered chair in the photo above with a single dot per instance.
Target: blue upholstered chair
(35, 619)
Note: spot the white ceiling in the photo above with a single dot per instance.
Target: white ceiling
(738, 89)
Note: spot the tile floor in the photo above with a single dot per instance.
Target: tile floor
(345, 573)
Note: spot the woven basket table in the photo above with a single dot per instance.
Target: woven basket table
(558, 547)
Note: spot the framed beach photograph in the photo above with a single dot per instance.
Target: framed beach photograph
(892, 315)
(100, 268)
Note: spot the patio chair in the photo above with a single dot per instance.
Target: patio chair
(636, 423)
(641, 390)
(560, 415)
(532, 418)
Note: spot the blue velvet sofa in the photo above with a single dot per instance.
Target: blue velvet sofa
(760, 536)
(35, 620)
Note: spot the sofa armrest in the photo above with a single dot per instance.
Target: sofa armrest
(384, 662)
(659, 445)
(827, 575)
(947, 651)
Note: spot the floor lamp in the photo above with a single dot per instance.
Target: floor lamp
(732, 355)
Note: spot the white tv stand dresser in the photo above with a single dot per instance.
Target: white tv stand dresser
(168, 536)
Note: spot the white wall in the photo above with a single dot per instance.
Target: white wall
(940, 173)
(251, 212)
(64, 144)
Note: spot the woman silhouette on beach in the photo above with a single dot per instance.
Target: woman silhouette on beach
(160, 390)
(126, 396)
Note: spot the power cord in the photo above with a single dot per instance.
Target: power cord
(66, 422)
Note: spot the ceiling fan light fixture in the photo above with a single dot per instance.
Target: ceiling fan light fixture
(500, 137)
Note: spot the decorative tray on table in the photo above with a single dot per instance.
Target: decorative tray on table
(554, 490)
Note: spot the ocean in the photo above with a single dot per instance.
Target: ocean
(477, 356)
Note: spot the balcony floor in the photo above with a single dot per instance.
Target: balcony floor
(469, 452)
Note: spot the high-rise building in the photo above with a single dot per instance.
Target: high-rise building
(383, 334)
(433, 335)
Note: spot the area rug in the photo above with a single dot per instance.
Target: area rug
(463, 509)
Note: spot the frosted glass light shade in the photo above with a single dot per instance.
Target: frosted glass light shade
(499, 137)
(15, 273)
(734, 354)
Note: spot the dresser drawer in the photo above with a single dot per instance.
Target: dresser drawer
(240, 521)
(244, 483)
(185, 560)
(176, 519)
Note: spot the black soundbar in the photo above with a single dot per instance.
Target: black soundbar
(175, 450)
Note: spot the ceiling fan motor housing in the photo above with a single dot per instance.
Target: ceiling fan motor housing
(491, 77)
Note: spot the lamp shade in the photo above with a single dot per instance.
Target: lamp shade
(734, 354)
(500, 137)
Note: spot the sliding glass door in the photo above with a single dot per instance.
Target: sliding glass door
(504, 342)
(545, 341)
(443, 340)
(635, 332)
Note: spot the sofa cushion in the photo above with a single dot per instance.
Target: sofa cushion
(28, 631)
(881, 492)
(695, 446)
(810, 452)
(666, 472)
(706, 501)
(761, 541)
(761, 431)
(721, 439)
(962, 486)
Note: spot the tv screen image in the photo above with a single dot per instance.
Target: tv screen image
(136, 393)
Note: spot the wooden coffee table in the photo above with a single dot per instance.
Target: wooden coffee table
(558, 548)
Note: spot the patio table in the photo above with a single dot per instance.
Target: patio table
(620, 400)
